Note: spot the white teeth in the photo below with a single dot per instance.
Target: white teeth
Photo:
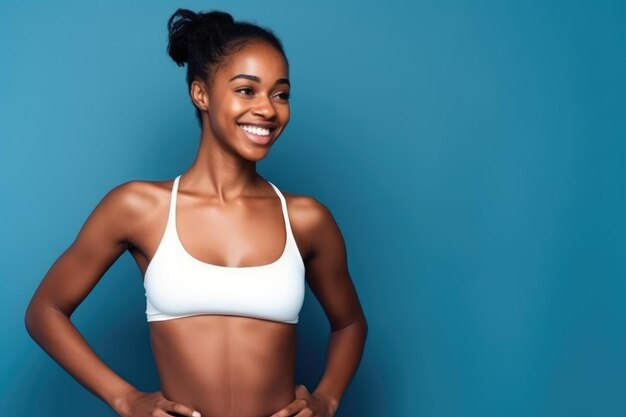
(256, 130)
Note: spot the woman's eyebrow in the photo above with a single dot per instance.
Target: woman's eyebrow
(258, 79)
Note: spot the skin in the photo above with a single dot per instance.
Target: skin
(217, 365)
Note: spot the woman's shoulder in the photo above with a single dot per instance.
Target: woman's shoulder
(313, 225)
(303, 201)
(308, 212)
(138, 196)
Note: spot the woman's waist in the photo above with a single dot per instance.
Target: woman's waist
(210, 365)
(258, 378)
(239, 380)
(230, 396)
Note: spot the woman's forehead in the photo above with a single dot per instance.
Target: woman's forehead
(258, 59)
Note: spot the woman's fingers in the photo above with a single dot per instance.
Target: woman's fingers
(153, 404)
(179, 409)
(300, 403)
(306, 405)
(292, 408)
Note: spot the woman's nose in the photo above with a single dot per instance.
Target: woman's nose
(264, 107)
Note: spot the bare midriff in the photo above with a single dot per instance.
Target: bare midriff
(226, 366)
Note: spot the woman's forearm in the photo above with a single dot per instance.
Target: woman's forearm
(345, 349)
(56, 334)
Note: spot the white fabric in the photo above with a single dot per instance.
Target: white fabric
(178, 285)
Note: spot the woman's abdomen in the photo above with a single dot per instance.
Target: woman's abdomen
(226, 366)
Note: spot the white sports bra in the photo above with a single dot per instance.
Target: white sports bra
(178, 285)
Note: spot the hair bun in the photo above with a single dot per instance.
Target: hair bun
(211, 26)
(222, 19)
(186, 26)
(179, 27)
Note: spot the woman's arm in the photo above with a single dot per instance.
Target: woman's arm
(328, 277)
(100, 242)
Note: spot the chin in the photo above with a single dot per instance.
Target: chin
(257, 155)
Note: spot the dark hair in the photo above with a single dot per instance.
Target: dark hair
(205, 40)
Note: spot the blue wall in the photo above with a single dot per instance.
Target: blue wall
(472, 153)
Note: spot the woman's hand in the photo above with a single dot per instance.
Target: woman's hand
(307, 405)
(152, 404)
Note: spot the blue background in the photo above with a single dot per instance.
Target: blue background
(471, 152)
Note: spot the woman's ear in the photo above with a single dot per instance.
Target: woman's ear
(200, 95)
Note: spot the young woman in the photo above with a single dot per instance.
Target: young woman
(224, 254)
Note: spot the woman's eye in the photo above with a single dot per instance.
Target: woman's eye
(245, 89)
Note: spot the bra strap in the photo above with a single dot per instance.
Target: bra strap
(174, 194)
(283, 204)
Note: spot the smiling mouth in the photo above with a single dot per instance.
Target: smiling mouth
(257, 130)
(257, 134)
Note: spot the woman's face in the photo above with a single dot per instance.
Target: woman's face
(248, 104)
